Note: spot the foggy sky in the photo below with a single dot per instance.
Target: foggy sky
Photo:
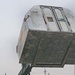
(12, 13)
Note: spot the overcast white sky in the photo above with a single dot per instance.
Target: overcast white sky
(11, 17)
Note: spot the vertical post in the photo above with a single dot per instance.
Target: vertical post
(45, 71)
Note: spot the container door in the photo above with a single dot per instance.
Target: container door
(49, 19)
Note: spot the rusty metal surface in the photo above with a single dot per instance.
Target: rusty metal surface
(48, 49)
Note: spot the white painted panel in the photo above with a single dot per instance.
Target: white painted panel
(72, 23)
(71, 18)
(35, 21)
(58, 12)
(51, 21)
(64, 26)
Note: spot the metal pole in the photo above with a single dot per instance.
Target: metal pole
(45, 71)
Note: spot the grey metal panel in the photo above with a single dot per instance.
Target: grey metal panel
(30, 48)
(46, 48)
(71, 57)
(53, 49)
